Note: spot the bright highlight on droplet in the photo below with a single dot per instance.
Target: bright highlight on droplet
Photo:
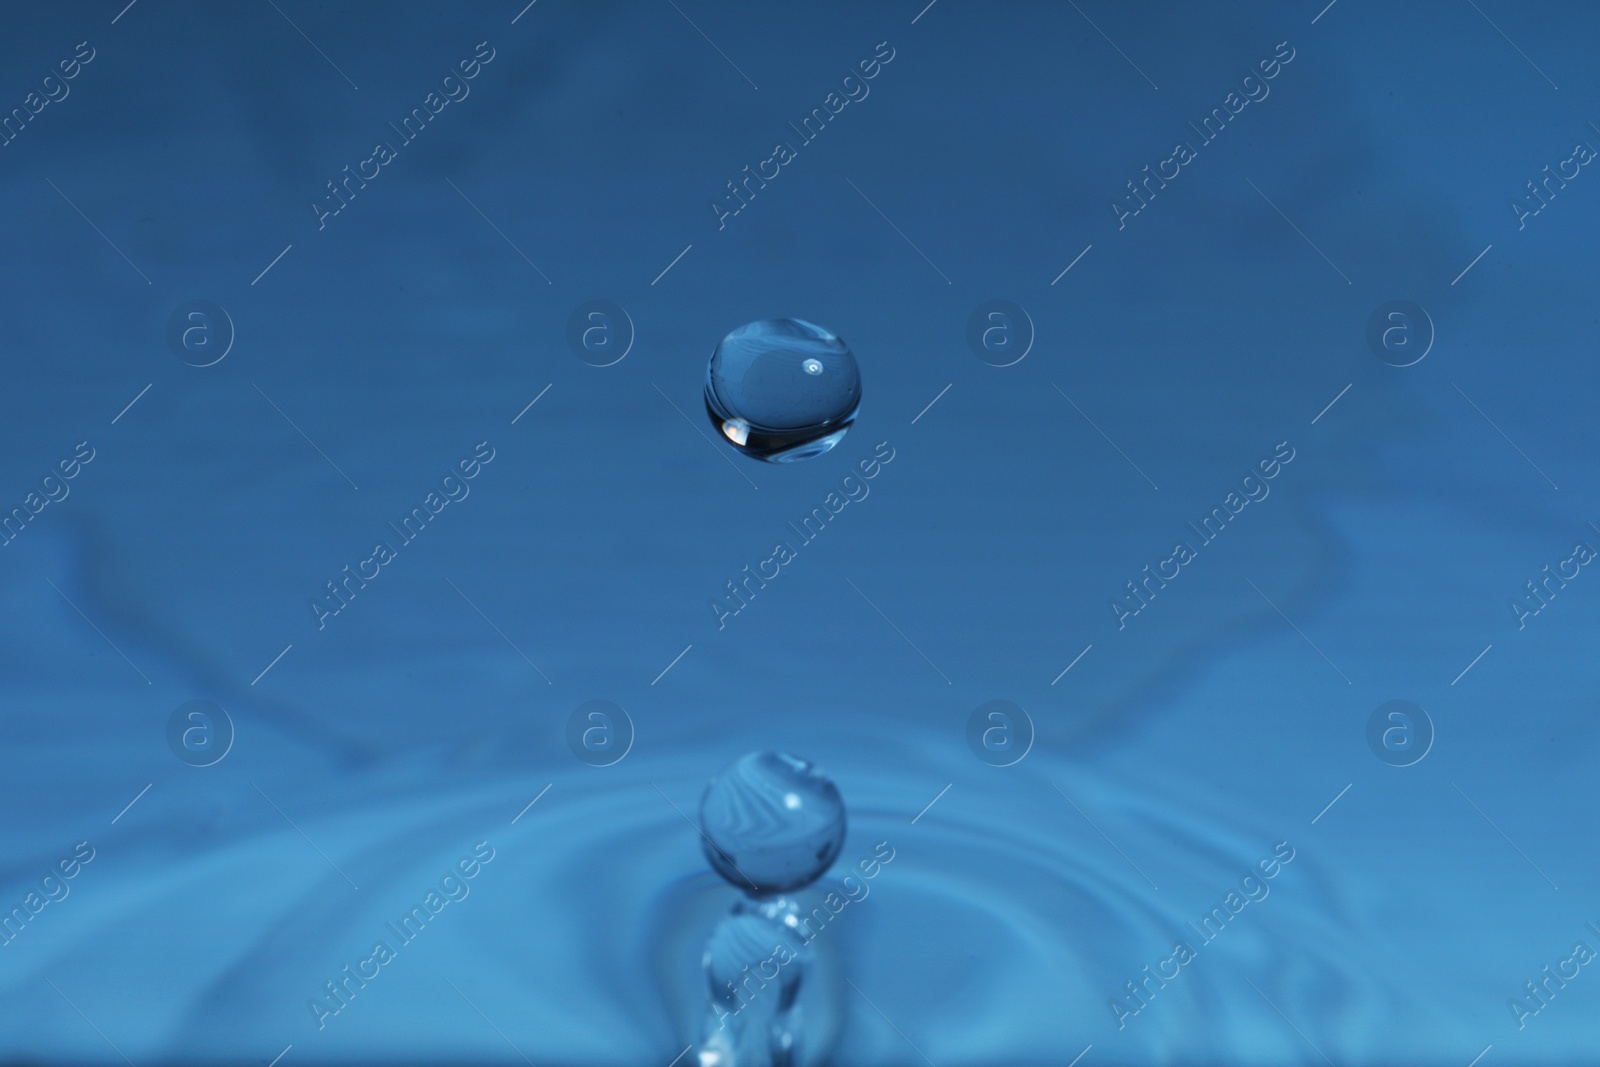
(791, 386)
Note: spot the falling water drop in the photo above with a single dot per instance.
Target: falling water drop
(782, 390)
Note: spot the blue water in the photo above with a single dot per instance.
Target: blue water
(408, 525)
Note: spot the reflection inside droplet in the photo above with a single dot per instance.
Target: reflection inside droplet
(791, 388)
(772, 823)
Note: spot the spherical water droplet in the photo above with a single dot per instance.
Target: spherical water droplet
(740, 944)
(772, 822)
(790, 387)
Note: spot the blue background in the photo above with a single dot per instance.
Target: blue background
(1177, 352)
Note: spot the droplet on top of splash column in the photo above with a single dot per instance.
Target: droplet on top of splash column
(772, 822)
(782, 390)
